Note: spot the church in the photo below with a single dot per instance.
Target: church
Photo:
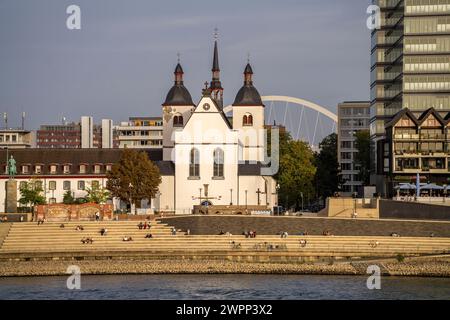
(217, 161)
(210, 162)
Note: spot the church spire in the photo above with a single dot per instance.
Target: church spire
(216, 85)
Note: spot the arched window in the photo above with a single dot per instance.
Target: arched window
(247, 120)
(194, 163)
(178, 120)
(218, 163)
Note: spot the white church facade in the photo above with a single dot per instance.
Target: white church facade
(217, 161)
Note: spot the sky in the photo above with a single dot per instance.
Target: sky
(120, 63)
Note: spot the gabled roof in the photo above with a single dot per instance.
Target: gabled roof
(220, 111)
(400, 115)
(424, 116)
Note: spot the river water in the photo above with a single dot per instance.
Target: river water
(229, 287)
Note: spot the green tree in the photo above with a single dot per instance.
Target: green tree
(68, 197)
(362, 157)
(97, 194)
(133, 178)
(327, 175)
(296, 172)
(31, 193)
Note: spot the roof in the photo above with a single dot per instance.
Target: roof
(76, 157)
(433, 112)
(178, 68)
(400, 115)
(248, 69)
(418, 120)
(178, 95)
(215, 66)
(248, 96)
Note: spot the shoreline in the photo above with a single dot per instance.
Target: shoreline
(412, 267)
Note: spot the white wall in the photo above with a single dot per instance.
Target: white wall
(107, 133)
(87, 132)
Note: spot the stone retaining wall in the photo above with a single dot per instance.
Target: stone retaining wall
(390, 209)
(204, 225)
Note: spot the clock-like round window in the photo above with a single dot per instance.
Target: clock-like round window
(206, 106)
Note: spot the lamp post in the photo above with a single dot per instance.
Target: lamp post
(231, 197)
(301, 194)
(246, 207)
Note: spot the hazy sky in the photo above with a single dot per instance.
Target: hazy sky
(121, 62)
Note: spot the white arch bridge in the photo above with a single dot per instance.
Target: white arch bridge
(305, 120)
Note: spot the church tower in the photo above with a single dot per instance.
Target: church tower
(215, 86)
(177, 108)
(248, 119)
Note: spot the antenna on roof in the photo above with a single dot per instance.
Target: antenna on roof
(5, 117)
(23, 120)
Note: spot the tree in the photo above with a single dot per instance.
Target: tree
(296, 172)
(97, 194)
(68, 197)
(31, 193)
(362, 157)
(133, 178)
(327, 175)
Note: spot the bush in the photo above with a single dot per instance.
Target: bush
(400, 257)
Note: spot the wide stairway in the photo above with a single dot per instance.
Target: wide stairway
(50, 240)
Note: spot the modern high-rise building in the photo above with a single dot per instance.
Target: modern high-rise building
(353, 116)
(410, 68)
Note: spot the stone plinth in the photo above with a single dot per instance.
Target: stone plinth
(11, 196)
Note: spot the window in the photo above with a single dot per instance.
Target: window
(66, 169)
(346, 166)
(81, 185)
(52, 185)
(178, 120)
(194, 163)
(97, 168)
(53, 169)
(218, 163)
(95, 184)
(38, 169)
(247, 120)
(66, 185)
(38, 185)
(108, 167)
(82, 169)
(25, 169)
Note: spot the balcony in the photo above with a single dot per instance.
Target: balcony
(406, 136)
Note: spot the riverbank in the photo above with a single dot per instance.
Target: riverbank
(422, 267)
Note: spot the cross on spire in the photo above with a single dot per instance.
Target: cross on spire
(216, 33)
(178, 57)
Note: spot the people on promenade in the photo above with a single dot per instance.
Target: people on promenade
(188, 232)
(140, 225)
(87, 240)
(103, 231)
(148, 235)
(40, 221)
(221, 233)
(284, 235)
(97, 216)
(62, 226)
(327, 233)
(126, 238)
(374, 244)
(146, 225)
(174, 231)
(79, 228)
(303, 243)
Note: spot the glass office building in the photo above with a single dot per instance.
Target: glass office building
(410, 68)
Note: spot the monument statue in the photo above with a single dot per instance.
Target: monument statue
(12, 170)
